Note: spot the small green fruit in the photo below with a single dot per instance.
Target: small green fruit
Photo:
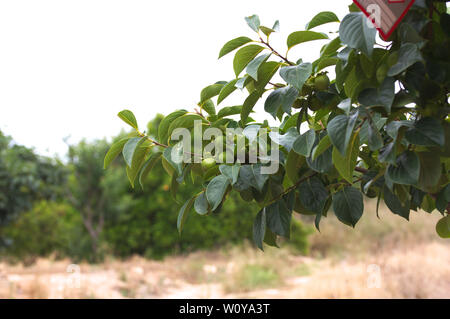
(443, 227)
(208, 163)
(314, 104)
(307, 88)
(322, 82)
(299, 103)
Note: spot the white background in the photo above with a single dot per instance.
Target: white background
(68, 67)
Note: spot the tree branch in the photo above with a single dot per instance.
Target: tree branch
(275, 52)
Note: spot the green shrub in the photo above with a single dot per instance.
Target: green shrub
(48, 228)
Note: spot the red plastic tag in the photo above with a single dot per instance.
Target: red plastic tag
(385, 14)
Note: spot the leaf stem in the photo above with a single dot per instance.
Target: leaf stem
(275, 52)
(288, 190)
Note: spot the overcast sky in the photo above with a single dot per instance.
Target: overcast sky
(68, 67)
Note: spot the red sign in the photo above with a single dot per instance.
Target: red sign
(385, 14)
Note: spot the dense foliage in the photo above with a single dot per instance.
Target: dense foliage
(25, 178)
(380, 128)
(79, 210)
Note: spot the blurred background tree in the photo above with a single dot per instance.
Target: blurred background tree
(25, 178)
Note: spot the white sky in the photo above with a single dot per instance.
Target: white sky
(68, 67)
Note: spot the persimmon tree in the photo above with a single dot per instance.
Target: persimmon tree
(380, 128)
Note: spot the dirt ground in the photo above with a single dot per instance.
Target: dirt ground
(386, 258)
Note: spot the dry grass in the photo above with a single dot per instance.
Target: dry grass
(387, 258)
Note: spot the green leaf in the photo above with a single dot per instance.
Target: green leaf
(253, 66)
(167, 167)
(231, 172)
(443, 199)
(209, 107)
(259, 229)
(348, 205)
(430, 171)
(356, 33)
(375, 141)
(428, 204)
(326, 62)
(148, 166)
(394, 203)
(210, 91)
(271, 238)
(331, 48)
(443, 227)
(304, 143)
(174, 157)
(323, 163)
(383, 96)
(229, 110)
(267, 31)
(174, 185)
(304, 36)
(323, 145)
(408, 55)
(282, 98)
(388, 153)
(291, 121)
(376, 123)
(296, 75)
(407, 169)
(340, 130)
(183, 213)
(393, 128)
(278, 218)
(276, 26)
(259, 180)
(294, 163)
(426, 132)
(226, 90)
(250, 176)
(201, 204)
(248, 105)
(115, 150)
(129, 118)
(286, 140)
(137, 162)
(243, 82)
(367, 65)
(216, 191)
(265, 73)
(186, 121)
(163, 128)
(345, 165)
(130, 148)
(353, 84)
(322, 18)
(253, 22)
(345, 105)
(313, 195)
(233, 45)
(244, 56)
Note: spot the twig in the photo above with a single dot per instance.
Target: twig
(275, 52)
(288, 190)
